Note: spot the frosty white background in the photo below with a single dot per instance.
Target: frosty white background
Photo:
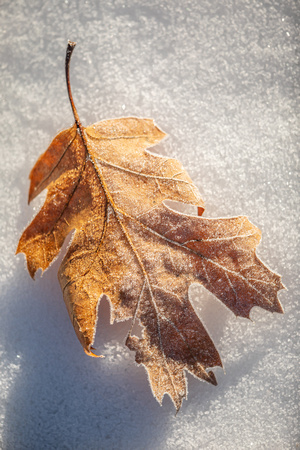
(221, 79)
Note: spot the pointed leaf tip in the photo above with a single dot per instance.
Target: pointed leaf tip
(90, 353)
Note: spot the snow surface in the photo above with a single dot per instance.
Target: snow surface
(220, 77)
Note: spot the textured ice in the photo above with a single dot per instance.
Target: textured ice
(221, 79)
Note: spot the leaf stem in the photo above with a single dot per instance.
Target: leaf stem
(70, 48)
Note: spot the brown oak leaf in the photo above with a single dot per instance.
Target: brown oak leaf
(128, 245)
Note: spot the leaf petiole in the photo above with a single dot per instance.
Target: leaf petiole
(70, 48)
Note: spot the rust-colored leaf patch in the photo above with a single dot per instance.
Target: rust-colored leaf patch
(104, 184)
